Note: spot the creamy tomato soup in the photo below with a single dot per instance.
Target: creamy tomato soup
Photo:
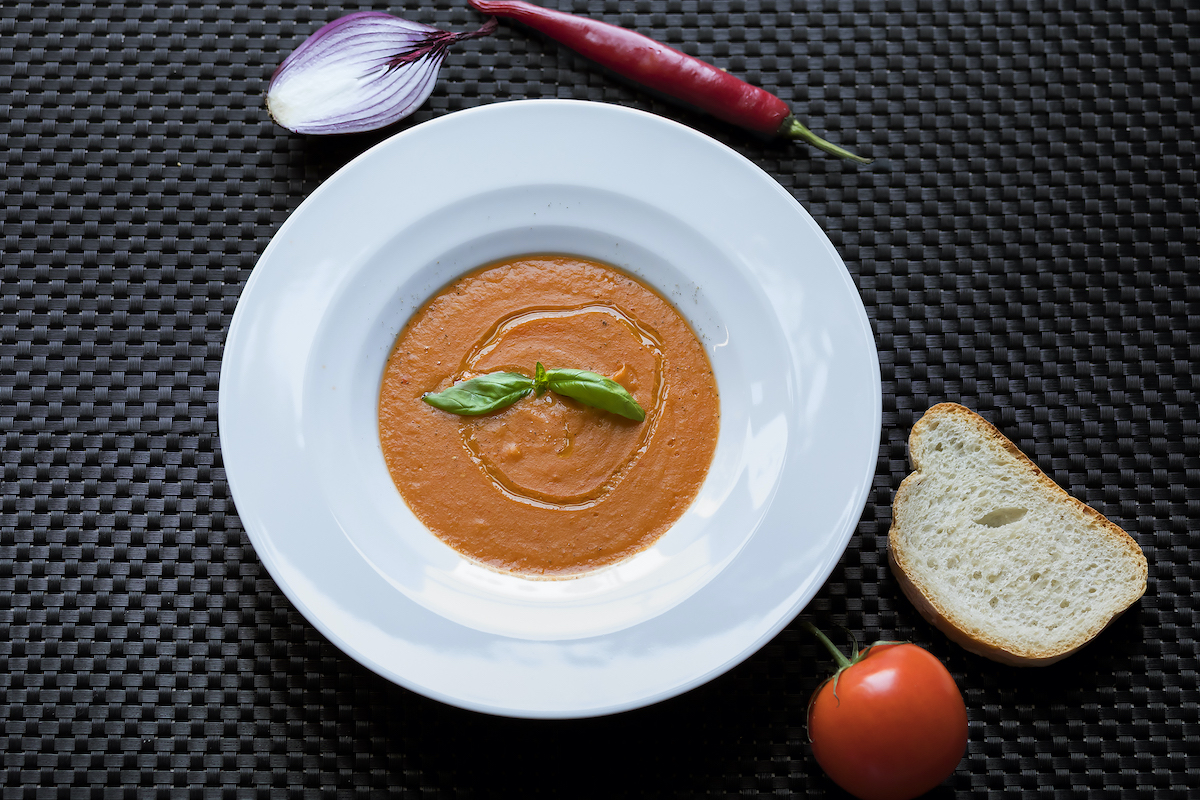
(549, 487)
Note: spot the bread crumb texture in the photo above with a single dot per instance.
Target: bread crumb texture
(998, 551)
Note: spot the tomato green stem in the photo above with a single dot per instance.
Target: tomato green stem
(841, 659)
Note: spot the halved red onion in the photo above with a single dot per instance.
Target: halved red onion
(360, 72)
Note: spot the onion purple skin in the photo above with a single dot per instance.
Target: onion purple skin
(361, 72)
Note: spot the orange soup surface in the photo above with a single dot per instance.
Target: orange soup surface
(549, 487)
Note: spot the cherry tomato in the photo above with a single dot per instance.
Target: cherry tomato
(890, 725)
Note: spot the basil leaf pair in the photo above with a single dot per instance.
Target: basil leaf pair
(497, 390)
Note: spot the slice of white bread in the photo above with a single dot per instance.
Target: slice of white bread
(995, 554)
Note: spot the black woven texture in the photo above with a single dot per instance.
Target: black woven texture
(1026, 243)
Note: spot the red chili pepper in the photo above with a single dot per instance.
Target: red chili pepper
(665, 70)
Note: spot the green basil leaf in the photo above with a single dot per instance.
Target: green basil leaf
(540, 383)
(596, 391)
(481, 395)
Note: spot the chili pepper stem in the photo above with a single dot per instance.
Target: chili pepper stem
(792, 128)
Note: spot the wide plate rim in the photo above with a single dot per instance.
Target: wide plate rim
(270, 556)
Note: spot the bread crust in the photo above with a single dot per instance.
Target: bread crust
(926, 601)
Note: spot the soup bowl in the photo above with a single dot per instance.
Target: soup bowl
(760, 284)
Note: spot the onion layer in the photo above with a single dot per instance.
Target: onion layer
(360, 72)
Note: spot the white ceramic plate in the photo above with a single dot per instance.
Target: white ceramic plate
(781, 320)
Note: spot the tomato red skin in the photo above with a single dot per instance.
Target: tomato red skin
(896, 728)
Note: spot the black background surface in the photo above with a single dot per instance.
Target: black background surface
(1026, 243)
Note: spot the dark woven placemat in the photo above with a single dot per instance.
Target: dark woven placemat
(1027, 244)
